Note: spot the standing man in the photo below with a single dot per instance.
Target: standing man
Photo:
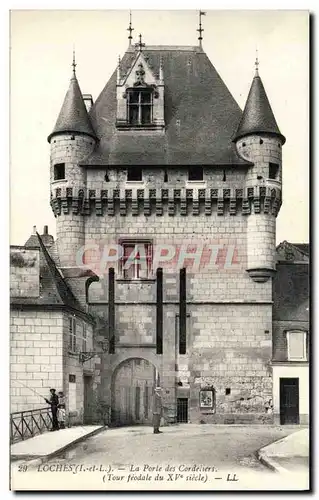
(157, 410)
(54, 403)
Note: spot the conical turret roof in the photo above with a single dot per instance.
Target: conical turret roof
(258, 116)
(73, 116)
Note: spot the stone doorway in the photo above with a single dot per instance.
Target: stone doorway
(132, 392)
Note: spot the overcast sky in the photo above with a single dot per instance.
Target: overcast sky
(41, 56)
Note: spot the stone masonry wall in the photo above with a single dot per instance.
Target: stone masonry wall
(72, 366)
(35, 357)
(230, 315)
(226, 281)
(261, 149)
(24, 272)
(216, 177)
(40, 359)
(70, 150)
(229, 344)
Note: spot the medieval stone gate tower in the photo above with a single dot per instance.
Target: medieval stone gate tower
(170, 194)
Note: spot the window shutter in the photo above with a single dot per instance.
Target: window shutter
(296, 346)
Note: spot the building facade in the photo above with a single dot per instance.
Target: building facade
(165, 196)
(291, 335)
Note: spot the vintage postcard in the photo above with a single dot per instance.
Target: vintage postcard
(159, 291)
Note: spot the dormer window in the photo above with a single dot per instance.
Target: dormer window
(139, 106)
(140, 98)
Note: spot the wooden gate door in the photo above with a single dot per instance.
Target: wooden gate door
(132, 392)
(289, 401)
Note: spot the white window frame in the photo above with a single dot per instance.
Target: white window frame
(304, 355)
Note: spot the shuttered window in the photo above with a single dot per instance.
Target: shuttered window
(296, 344)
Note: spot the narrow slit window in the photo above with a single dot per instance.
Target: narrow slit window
(72, 334)
(182, 311)
(159, 311)
(59, 171)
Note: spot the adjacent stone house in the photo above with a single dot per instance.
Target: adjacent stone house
(48, 330)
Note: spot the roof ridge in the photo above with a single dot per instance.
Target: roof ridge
(190, 48)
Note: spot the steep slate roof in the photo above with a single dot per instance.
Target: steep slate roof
(286, 251)
(54, 289)
(291, 292)
(65, 294)
(302, 247)
(258, 116)
(73, 116)
(195, 95)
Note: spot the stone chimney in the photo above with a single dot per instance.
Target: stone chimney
(47, 238)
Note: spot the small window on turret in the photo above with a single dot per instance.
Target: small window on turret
(261, 141)
(195, 173)
(59, 171)
(273, 170)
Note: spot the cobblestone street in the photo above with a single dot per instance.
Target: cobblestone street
(186, 456)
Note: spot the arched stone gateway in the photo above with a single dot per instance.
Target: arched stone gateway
(133, 384)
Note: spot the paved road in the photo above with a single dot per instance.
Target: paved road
(219, 446)
(183, 457)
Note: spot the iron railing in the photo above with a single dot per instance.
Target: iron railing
(29, 423)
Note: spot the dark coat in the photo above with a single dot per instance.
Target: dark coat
(157, 404)
(53, 402)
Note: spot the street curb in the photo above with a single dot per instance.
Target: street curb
(270, 463)
(45, 458)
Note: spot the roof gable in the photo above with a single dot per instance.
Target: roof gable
(129, 78)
